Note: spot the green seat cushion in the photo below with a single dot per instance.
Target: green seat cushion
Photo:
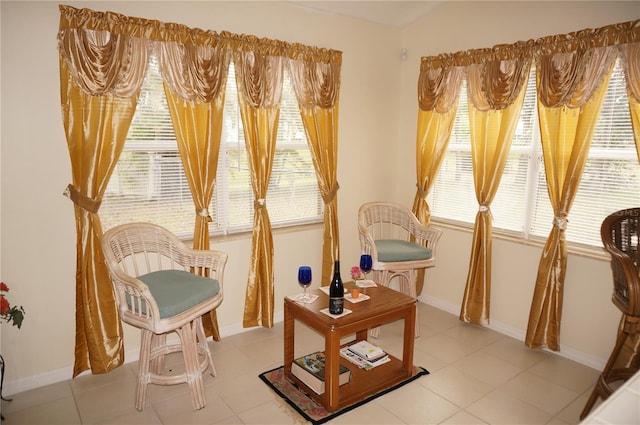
(392, 250)
(176, 291)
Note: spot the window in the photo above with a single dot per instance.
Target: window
(149, 183)
(610, 181)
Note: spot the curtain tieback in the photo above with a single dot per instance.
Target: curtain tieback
(80, 200)
(203, 212)
(258, 203)
(560, 222)
(422, 194)
(483, 208)
(330, 196)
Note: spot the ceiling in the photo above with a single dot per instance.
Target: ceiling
(395, 13)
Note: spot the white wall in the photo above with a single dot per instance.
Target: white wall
(376, 151)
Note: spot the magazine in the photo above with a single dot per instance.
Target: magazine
(361, 361)
(367, 350)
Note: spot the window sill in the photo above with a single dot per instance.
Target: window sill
(248, 234)
(593, 252)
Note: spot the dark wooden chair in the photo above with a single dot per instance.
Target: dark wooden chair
(620, 233)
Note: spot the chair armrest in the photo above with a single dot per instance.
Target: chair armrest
(134, 298)
(426, 236)
(208, 263)
(626, 281)
(367, 244)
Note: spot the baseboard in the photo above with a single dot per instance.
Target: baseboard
(520, 334)
(54, 376)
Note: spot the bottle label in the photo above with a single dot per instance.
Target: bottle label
(336, 305)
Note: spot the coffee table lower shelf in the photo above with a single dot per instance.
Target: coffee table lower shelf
(363, 383)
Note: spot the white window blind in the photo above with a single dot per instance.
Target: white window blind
(610, 181)
(611, 177)
(149, 183)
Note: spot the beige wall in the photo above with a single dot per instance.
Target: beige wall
(377, 138)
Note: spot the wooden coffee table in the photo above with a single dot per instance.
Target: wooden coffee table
(385, 306)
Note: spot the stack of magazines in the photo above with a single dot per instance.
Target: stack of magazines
(365, 355)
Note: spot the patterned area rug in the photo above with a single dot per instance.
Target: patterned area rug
(307, 407)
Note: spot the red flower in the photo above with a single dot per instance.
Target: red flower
(7, 313)
(4, 305)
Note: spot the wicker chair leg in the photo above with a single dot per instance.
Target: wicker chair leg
(144, 376)
(408, 287)
(381, 277)
(602, 388)
(193, 373)
(374, 332)
(156, 364)
(204, 348)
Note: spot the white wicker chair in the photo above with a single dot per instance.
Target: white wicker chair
(399, 245)
(162, 286)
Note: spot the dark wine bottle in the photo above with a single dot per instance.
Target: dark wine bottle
(336, 291)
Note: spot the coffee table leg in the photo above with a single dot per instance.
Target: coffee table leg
(409, 339)
(289, 341)
(332, 366)
(362, 335)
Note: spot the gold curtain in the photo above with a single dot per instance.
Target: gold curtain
(571, 89)
(100, 81)
(100, 78)
(317, 88)
(438, 93)
(259, 81)
(195, 78)
(496, 93)
(630, 55)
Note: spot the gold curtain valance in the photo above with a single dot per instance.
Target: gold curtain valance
(259, 78)
(631, 63)
(570, 79)
(315, 84)
(611, 35)
(498, 74)
(622, 33)
(148, 29)
(496, 85)
(438, 88)
(195, 73)
(104, 63)
(500, 52)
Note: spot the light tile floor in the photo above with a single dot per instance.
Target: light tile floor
(477, 376)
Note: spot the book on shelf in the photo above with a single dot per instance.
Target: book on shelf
(361, 361)
(367, 350)
(310, 370)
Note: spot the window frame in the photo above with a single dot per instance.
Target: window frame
(532, 196)
(220, 209)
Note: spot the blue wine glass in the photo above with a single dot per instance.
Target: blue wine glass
(304, 279)
(365, 264)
